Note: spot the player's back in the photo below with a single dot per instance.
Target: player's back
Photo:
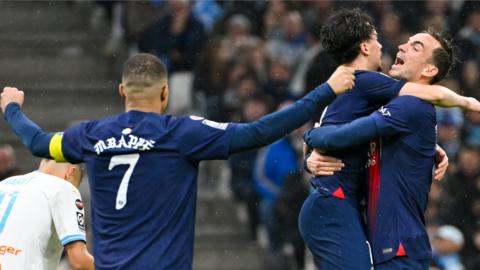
(142, 170)
(28, 239)
(400, 179)
(372, 90)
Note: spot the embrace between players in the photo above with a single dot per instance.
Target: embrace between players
(144, 195)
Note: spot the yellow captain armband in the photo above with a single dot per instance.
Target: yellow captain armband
(55, 148)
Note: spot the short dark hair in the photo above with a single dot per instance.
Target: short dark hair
(143, 70)
(343, 32)
(444, 57)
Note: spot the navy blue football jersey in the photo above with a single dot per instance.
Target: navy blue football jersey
(372, 90)
(400, 170)
(142, 169)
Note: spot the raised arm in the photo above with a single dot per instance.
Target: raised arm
(440, 96)
(31, 135)
(276, 125)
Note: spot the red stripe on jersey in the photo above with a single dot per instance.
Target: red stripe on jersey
(401, 251)
(339, 193)
(373, 183)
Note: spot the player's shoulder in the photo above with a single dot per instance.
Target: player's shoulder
(372, 76)
(409, 106)
(411, 102)
(50, 184)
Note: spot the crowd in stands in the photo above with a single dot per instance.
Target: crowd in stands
(248, 57)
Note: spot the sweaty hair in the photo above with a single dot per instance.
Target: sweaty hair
(343, 32)
(444, 57)
(143, 70)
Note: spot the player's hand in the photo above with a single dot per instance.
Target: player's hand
(441, 163)
(320, 164)
(342, 80)
(11, 94)
(473, 104)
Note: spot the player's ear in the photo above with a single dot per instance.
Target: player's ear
(164, 93)
(364, 48)
(70, 175)
(121, 90)
(430, 71)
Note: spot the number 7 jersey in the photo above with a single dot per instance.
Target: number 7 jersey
(142, 170)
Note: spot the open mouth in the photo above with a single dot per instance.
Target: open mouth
(399, 61)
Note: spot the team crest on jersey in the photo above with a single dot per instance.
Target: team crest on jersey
(214, 124)
(79, 204)
(81, 221)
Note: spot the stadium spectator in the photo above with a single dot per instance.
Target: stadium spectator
(449, 128)
(278, 83)
(469, 36)
(8, 162)
(272, 19)
(237, 35)
(177, 39)
(273, 165)
(289, 44)
(446, 245)
(242, 165)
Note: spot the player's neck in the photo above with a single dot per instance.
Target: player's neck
(360, 63)
(143, 106)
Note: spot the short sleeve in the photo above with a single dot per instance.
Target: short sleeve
(68, 214)
(397, 117)
(73, 143)
(200, 139)
(378, 87)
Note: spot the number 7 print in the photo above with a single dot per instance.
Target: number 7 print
(131, 160)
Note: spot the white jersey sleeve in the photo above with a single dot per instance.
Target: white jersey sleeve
(68, 214)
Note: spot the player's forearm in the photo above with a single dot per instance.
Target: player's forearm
(274, 126)
(344, 136)
(31, 135)
(79, 257)
(436, 94)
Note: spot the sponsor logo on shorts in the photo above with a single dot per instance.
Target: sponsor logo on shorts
(79, 204)
(81, 221)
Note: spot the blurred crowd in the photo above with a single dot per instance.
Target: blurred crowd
(247, 58)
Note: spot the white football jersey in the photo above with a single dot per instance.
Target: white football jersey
(39, 214)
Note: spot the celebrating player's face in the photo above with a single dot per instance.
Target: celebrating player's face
(375, 49)
(413, 59)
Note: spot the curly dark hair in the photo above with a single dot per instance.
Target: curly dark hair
(444, 57)
(343, 32)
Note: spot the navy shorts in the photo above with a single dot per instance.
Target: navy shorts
(333, 231)
(403, 263)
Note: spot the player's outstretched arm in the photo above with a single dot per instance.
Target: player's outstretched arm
(440, 96)
(78, 256)
(31, 135)
(338, 137)
(276, 125)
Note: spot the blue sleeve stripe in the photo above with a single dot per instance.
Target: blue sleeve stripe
(72, 238)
